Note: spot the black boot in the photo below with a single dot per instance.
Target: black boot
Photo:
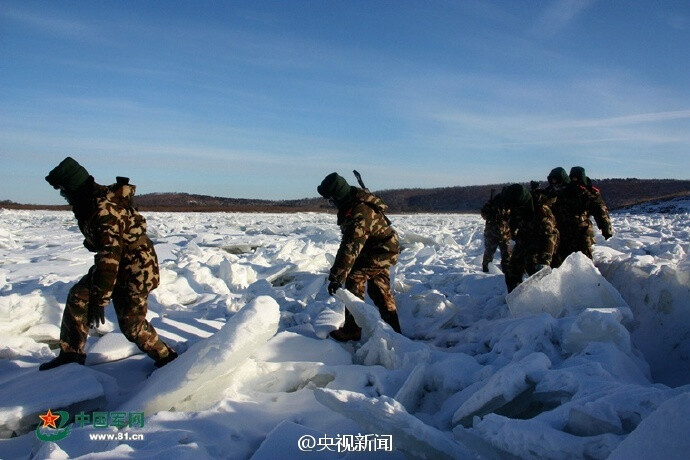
(63, 358)
(343, 335)
(349, 331)
(391, 317)
(172, 354)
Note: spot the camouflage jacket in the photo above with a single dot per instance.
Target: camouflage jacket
(574, 207)
(116, 232)
(368, 239)
(536, 233)
(497, 219)
(492, 212)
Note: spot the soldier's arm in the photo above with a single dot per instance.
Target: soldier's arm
(355, 236)
(547, 239)
(504, 231)
(600, 212)
(107, 258)
(486, 211)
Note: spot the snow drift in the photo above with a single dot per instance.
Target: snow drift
(586, 361)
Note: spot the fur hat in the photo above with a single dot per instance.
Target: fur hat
(558, 175)
(68, 174)
(517, 196)
(334, 186)
(577, 173)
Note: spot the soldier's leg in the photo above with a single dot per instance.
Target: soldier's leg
(379, 288)
(490, 245)
(504, 246)
(516, 268)
(131, 311)
(565, 248)
(586, 242)
(530, 267)
(74, 330)
(354, 283)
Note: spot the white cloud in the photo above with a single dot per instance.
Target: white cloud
(50, 24)
(674, 20)
(626, 120)
(558, 16)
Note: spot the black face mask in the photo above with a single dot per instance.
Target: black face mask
(67, 196)
(79, 201)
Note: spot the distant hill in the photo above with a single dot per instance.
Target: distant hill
(617, 193)
(190, 202)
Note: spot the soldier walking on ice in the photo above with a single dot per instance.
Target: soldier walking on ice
(576, 203)
(536, 236)
(496, 232)
(369, 248)
(125, 266)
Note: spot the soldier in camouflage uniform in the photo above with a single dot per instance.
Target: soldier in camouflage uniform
(534, 227)
(496, 233)
(125, 266)
(578, 201)
(369, 248)
(558, 180)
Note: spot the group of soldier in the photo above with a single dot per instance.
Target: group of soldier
(546, 226)
(125, 268)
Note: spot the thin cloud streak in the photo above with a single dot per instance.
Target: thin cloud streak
(50, 25)
(526, 129)
(558, 16)
(625, 120)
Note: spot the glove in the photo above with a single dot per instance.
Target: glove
(95, 314)
(333, 286)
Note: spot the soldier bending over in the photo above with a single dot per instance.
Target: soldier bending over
(125, 266)
(369, 248)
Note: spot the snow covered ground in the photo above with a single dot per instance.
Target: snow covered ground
(579, 362)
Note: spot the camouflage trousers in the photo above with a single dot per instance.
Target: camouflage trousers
(491, 243)
(378, 285)
(130, 309)
(581, 240)
(523, 260)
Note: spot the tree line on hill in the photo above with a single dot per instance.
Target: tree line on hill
(617, 193)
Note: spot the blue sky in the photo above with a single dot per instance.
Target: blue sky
(262, 99)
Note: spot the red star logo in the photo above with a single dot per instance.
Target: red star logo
(49, 419)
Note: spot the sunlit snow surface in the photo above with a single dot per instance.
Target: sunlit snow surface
(572, 364)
